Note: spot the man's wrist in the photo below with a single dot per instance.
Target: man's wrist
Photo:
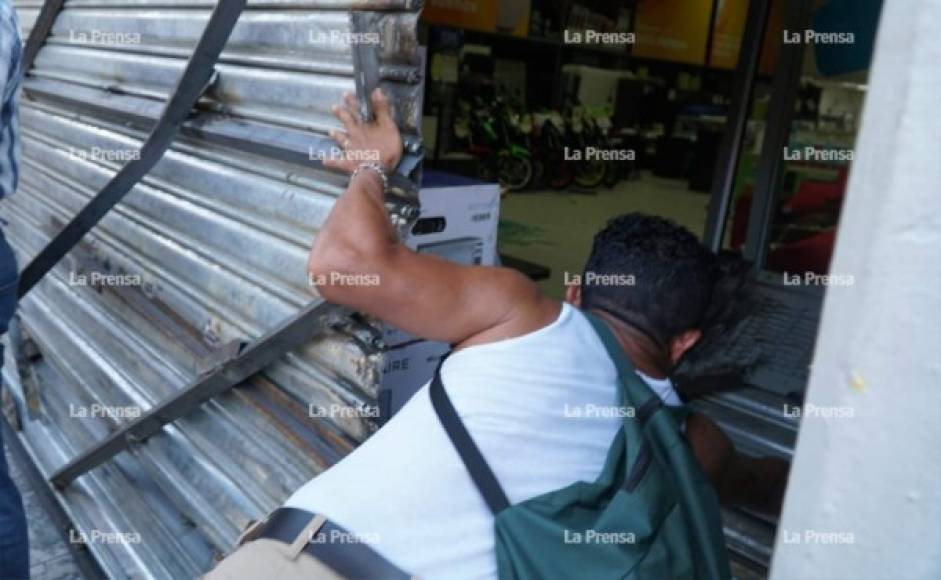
(375, 171)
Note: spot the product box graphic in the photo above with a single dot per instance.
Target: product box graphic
(458, 222)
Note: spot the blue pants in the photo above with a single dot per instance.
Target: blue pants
(14, 546)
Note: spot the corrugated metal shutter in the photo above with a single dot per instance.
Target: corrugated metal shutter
(217, 234)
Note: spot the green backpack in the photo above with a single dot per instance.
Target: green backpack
(651, 515)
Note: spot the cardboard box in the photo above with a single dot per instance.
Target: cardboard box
(458, 222)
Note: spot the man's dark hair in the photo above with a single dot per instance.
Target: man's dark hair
(673, 275)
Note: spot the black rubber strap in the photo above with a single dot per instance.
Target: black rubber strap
(40, 31)
(190, 87)
(317, 319)
(474, 461)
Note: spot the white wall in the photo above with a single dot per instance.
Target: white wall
(877, 475)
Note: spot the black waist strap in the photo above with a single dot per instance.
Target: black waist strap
(474, 461)
(344, 552)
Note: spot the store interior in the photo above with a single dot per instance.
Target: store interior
(736, 119)
(586, 109)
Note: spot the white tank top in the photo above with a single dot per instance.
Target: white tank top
(541, 408)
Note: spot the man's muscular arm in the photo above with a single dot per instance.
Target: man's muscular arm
(357, 261)
(755, 483)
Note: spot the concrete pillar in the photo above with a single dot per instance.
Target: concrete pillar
(864, 498)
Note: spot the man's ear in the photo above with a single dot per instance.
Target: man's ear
(681, 343)
(573, 295)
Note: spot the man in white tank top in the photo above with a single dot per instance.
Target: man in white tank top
(529, 378)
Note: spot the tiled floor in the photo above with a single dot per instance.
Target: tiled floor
(49, 557)
(555, 228)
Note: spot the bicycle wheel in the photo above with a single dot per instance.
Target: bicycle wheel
(514, 172)
(590, 174)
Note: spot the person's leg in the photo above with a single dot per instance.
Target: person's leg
(14, 546)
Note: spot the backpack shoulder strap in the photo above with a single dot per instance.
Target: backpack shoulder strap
(483, 477)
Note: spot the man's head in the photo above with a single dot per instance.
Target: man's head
(653, 275)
